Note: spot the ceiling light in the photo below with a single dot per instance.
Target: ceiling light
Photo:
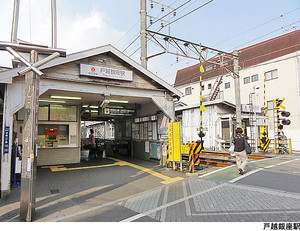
(94, 111)
(51, 101)
(64, 97)
(118, 101)
(89, 106)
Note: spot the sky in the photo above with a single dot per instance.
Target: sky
(84, 24)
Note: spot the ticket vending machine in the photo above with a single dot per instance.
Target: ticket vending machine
(51, 137)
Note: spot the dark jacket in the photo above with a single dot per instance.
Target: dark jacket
(238, 141)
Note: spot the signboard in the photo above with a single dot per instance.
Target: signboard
(106, 110)
(158, 150)
(6, 140)
(164, 150)
(174, 141)
(248, 108)
(185, 149)
(162, 123)
(170, 137)
(105, 72)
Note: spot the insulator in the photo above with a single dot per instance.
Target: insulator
(151, 21)
(162, 24)
(162, 9)
(174, 13)
(151, 5)
(177, 59)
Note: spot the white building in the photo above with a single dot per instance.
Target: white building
(278, 58)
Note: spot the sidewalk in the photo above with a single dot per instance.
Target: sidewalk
(212, 197)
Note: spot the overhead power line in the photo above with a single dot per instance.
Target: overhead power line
(174, 20)
(190, 12)
(152, 24)
(257, 26)
(265, 35)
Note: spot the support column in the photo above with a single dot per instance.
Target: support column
(6, 144)
(29, 157)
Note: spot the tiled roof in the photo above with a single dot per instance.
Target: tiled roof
(248, 56)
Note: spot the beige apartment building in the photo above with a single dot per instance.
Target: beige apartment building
(278, 59)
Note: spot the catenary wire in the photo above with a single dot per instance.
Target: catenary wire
(257, 26)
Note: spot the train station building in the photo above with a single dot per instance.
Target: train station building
(100, 84)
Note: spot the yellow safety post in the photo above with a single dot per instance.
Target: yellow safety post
(275, 150)
(290, 146)
(191, 158)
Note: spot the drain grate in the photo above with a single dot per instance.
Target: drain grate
(54, 191)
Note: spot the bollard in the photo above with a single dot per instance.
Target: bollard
(290, 146)
(275, 150)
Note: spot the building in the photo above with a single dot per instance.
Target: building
(100, 84)
(278, 58)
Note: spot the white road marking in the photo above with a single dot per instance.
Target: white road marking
(133, 218)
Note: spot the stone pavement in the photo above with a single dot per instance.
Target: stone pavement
(219, 196)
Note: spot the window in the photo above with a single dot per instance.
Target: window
(227, 85)
(272, 74)
(247, 80)
(209, 86)
(270, 105)
(209, 68)
(254, 78)
(188, 91)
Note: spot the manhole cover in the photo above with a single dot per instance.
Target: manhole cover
(54, 191)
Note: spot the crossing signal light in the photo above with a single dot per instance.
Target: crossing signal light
(285, 114)
(285, 122)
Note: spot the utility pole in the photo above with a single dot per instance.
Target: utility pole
(15, 21)
(143, 14)
(237, 88)
(27, 202)
(31, 106)
(54, 23)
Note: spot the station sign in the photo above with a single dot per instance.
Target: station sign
(121, 112)
(249, 108)
(6, 140)
(105, 72)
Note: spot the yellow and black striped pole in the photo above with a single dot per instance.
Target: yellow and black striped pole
(265, 140)
(202, 109)
(265, 127)
(201, 101)
(278, 127)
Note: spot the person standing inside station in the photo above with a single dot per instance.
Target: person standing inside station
(239, 149)
(92, 145)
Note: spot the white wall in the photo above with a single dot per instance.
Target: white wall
(286, 86)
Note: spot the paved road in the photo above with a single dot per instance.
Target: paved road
(134, 191)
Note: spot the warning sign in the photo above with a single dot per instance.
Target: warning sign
(174, 142)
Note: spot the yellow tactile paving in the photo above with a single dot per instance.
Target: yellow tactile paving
(166, 179)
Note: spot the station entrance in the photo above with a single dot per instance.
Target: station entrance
(132, 108)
